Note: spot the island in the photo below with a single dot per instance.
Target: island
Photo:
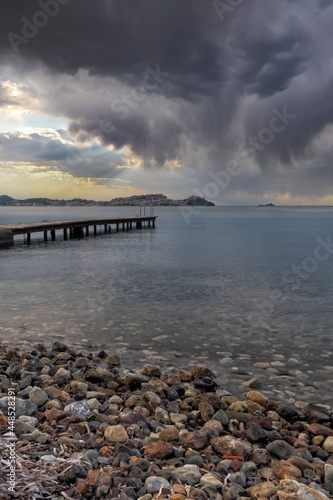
(135, 200)
(267, 205)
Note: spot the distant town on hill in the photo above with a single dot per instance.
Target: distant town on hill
(136, 200)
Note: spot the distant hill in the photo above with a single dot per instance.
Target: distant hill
(136, 200)
(268, 205)
(6, 200)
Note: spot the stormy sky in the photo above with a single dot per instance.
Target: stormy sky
(231, 100)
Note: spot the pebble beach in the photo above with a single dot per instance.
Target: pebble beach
(88, 424)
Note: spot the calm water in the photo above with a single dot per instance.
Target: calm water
(222, 282)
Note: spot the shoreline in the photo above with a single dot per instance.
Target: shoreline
(88, 425)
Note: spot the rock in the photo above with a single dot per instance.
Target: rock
(48, 458)
(73, 473)
(154, 483)
(228, 445)
(79, 407)
(169, 434)
(286, 470)
(328, 444)
(195, 440)
(281, 449)
(38, 437)
(79, 386)
(254, 383)
(55, 414)
(178, 418)
(300, 462)
(319, 430)
(263, 490)
(221, 416)
(256, 433)
(151, 371)
(158, 449)
(114, 360)
(189, 474)
(203, 378)
(14, 370)
(22, 427)
(257, 397)
(116, 434)
(62, 373)
(206, 411)
(38, 396)
(81, 362)
(210, 480)
(328, 471)
(22, 407)
(59, 393)
(3, 420)
(316, 413)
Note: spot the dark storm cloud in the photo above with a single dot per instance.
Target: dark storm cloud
(224, 75)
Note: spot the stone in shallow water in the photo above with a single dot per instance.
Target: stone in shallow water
(151, 371)
(257, 397)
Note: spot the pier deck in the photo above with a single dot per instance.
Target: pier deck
(71, 228)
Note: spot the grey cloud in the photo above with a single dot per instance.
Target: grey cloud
(225, 79)
(43, 150)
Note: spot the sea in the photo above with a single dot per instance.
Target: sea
(225, 286)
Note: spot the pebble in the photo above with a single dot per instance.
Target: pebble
(116, 434)
(38, 396)
(162, 433)
(189, 474)
(153, 484)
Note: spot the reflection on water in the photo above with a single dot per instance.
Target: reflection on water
(208, 283)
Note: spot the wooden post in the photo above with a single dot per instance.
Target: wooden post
(53, 235)
(117, 228)
(109, 229)
(130, 225)
(154, 223)
(45, 235)
(105, 228)
(28, 238)
(123, 226)
(95, 230)
(149, 223)
(87, 230)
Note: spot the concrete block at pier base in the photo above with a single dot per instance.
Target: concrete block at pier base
(6, 237)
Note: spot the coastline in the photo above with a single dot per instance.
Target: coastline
(89, 425)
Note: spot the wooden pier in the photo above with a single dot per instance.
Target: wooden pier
(72, 229)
